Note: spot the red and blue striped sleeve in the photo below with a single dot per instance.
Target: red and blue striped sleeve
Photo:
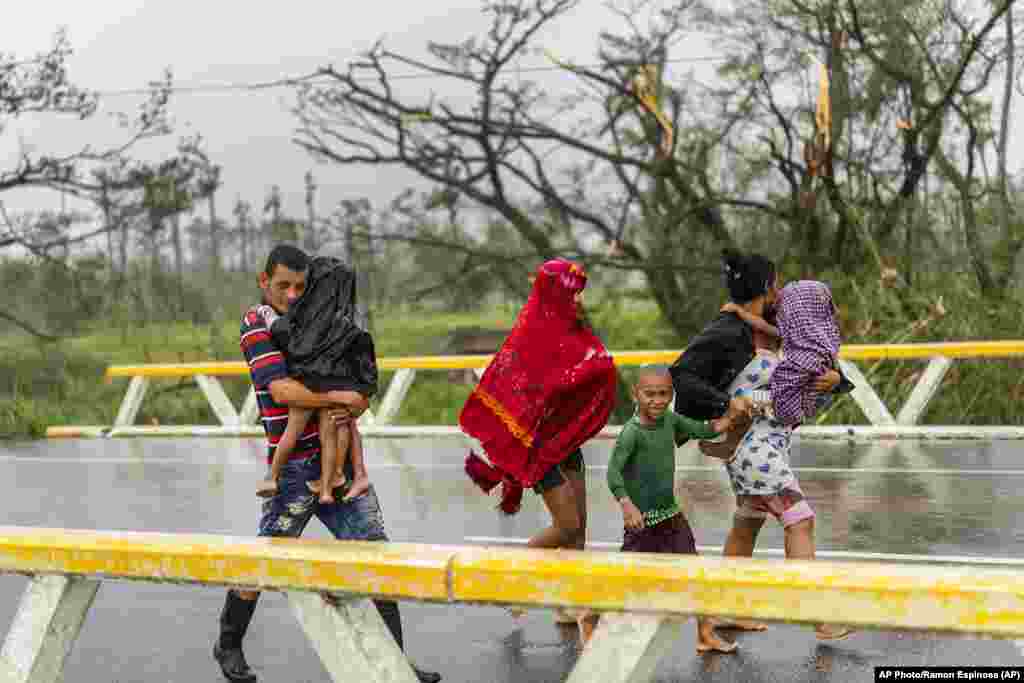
(266, 362)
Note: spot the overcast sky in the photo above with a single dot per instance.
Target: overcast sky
(123, 44)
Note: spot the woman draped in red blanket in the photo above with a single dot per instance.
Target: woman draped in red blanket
(549, 388)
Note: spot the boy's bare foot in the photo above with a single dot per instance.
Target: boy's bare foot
(266, 488)
(709, 641)
(740, 625)
(327, 498)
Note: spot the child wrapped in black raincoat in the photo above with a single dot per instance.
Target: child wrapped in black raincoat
(326, 350)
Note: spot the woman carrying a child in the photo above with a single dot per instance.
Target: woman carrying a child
(548, 389)
(746, 363)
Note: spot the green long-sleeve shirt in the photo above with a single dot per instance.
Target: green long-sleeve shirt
(643, 463)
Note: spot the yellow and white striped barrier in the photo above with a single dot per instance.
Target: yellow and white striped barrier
(244, 422)
(645, 596)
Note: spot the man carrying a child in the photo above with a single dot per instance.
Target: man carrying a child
(356, 516)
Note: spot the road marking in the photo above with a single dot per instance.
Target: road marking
(779, 552)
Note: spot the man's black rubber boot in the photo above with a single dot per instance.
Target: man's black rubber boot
(234, 622)
(426, 676)
(392, 619)
(233, 665)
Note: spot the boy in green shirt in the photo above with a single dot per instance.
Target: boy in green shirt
(641, 476)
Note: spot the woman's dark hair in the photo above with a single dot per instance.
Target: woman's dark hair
(289, 256)
(746, 277)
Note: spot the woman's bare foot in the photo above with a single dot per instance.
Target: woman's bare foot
(740, 625)
(266, 488)
(709, 641)
(824, 632)
(587, 623)
(564, 616)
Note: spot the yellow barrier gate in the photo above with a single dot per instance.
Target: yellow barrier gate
(644, 596)
(243, 422)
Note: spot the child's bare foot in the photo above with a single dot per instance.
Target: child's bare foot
(266, 488)
(709, 641)
(358, 487)
(337, 481)
(325, 497)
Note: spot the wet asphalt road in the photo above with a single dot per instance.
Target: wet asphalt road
(963, 499)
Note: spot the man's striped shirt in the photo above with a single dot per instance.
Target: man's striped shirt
(266, 364)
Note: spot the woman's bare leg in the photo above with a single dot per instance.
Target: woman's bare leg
(578, 482)
(587, 621)
(742, 537)
(740, 543)
(567, 527)
(297, 419)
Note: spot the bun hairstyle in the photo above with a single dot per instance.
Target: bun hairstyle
(746, 277)
(732, 275)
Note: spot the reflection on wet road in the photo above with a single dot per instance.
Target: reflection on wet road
(950, 499)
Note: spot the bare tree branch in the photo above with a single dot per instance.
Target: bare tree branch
(28, 327)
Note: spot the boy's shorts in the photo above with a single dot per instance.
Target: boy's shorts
(672, 535)
(555, 476)
(788, 506)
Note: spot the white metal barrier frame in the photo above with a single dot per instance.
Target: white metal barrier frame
(644, 599)
(883, 425)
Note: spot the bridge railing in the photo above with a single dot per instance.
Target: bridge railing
(243, 422)
(643, 598)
